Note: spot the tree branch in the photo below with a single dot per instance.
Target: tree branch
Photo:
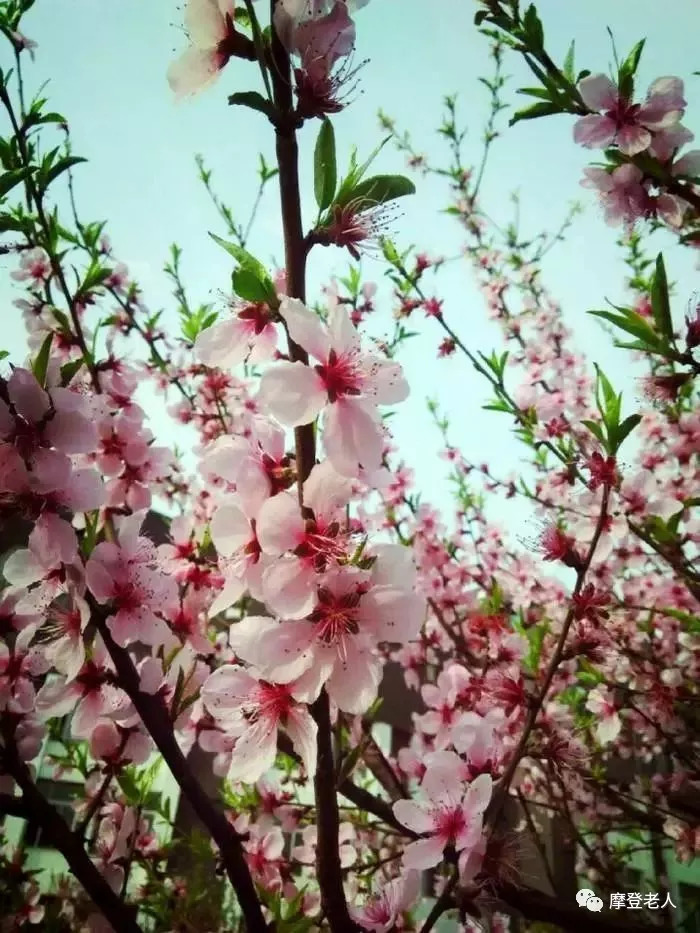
(156, 718)
(121, 917)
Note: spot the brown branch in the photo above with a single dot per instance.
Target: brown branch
(156, 718)
(13, 806)
(500, 795)
(121, 917)
(295, 250)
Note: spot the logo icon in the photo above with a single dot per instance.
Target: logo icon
(587, 898)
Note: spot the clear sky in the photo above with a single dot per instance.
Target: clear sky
(106, 62)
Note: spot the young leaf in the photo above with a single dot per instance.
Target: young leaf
(597, 431)
(534, 112)
(61, 166)
(624, 430)
(248, 286)
(660, 304)
(631, 323)
(628, 69)
(41, 363)
(532, 28)
(253, 100)
(8, 180)
(378, 190)
(325, 168)
(568, 69)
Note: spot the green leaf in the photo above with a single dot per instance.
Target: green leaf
(596, 430)
(631, 63)
(325, 167)
(248, 286)
(569, 69)
(129, 786)
(610, 403)
(623, 431)
(253, 100)
(61, 166)
(378, 190)
(539, 92)
(534, 112)
(8, 224)
(532, 28)
(660, 304)
(8, 180)
(68, 371)
(41, 363)
(632, 323)
(254, 268)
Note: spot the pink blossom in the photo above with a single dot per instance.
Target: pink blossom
(337, 644)
(233, 531)
(126, 575)
(90, 694)
(347, 842)
(346, 385)
(51, 560)
(34, 265)
(209, 24)
(248, 337)
(112, 844)
(380, 913)
(450, 816)
(621, 192)
(303, 547)
(319, 33)
(608, 723)
(253, 711)
(630, 126)
(18, 668)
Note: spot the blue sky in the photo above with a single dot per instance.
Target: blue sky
(107, 62)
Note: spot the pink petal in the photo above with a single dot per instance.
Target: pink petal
(22, 568)
(246, 638)
(293, 393)
(598, 92)
(422, 854)
(688, 164)
(205, 23)
(226, 690)
(633, 139)
(224, 345)
(343, 333)
(479, 794)
(394, 615)
(254, 753)
(414, 816)
(387, 385)
(353, 436)
(279, 525)
(305, 328)
(285, 651)
(326, 491)
(289, 587)
(302, 730)
(25, 393)
(594, 131)
(230, 529)
(193, 71)
(355, 680)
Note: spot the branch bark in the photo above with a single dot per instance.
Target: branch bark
(156, 718)
(328, 866)
(58, 832)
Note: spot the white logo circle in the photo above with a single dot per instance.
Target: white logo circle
(583, 895)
